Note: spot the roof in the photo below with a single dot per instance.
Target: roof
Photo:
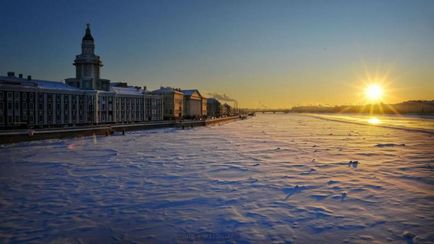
(164, 90)
(42, 84)
(212, 100)
(128, 90)
(16, 81)
(54, 85)
(191, 91)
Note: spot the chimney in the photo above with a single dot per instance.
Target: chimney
(145, 88)
(29, 77)
(11, 74)
(20, 76)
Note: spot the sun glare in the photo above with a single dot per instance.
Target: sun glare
(374, 121)
(374, 92)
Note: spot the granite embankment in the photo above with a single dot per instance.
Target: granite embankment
(12, 136)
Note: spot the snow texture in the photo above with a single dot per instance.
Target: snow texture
(271, 178)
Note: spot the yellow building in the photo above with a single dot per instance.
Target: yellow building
(173, 102)
(192, 104)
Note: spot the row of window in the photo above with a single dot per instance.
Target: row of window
(29, 108)
(19, 108)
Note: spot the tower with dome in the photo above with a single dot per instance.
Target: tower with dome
(87, 66)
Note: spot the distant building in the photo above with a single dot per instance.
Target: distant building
(153, 107)
(214, 107)
(204, 107)
(135, 104)
(85, 99)
(194, 104)
(173, 102)
(28, 102)
(227, 110)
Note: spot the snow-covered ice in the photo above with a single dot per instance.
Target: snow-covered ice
(273, 178)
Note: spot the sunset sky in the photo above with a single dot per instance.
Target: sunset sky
(263, 53)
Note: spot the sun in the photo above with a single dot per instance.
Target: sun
(374, 92)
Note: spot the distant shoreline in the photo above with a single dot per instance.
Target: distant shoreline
(408, 107)
(415, 107)
(388, 126)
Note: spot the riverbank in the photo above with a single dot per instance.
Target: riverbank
(52, 133)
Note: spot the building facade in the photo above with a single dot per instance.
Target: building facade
(214, 107)
(173, 102)
(85, 99)
(204, 107)
(192, 104)
(154, 107)
(227, 110)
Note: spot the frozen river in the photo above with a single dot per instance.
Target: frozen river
(278, 178)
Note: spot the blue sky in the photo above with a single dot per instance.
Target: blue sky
(264, 53)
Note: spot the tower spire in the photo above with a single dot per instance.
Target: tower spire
(88, 36)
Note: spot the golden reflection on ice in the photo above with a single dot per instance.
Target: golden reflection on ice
(374, 121)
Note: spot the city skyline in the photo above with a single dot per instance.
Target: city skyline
(279, 55)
